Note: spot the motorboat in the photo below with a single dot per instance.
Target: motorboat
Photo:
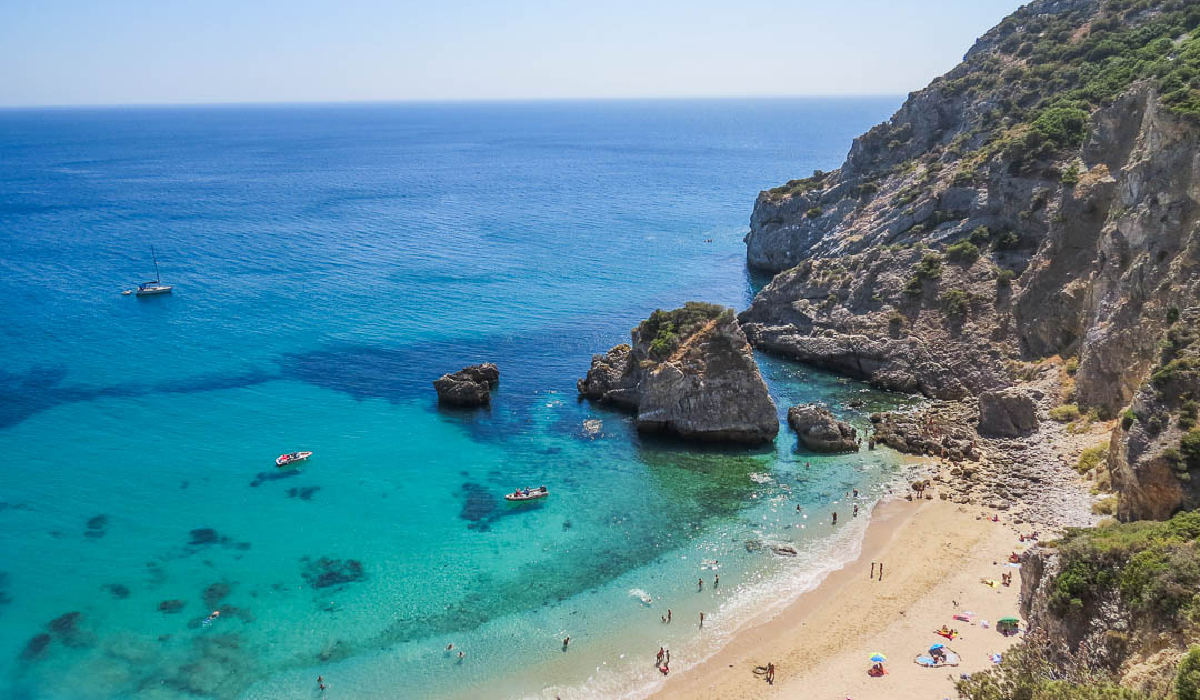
(291, 458)
(527, 494)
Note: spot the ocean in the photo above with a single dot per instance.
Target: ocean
(329, 262)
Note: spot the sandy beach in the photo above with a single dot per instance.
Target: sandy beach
(934, 554)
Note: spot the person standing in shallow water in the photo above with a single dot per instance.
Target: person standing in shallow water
(835, 517)
(700, 585)
(668, 615)
(701, 619)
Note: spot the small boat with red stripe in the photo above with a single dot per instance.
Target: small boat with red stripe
(287, 460)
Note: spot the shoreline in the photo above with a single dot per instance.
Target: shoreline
(934, 553)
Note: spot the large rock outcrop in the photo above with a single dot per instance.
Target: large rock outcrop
(1007, 413)
(1008, 213)
(820, 431)
(470, 386)
(688, 372)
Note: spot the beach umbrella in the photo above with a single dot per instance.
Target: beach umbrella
(878, 658)
(1011, 620)
(937, 646)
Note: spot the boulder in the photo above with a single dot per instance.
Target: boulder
(819, 431)
(689, 372)
(1007, 413)
(470, 386)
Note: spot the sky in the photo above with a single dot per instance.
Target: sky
(85, 52)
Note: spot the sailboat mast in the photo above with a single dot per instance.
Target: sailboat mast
(157, 275)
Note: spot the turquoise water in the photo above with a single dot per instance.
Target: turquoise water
(329, 263)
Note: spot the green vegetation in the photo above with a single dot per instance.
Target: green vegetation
(1127, 418)
(813, 213)
(1154, 566)
(667, 329)
(1004, 278)
(1189, 447)
(1070, 176)
(1187, 678)
(1065, 413)
(1105, 506)
(1091, 458)
(797, 187)
(964, 252)
(930, 267)
(956, 302)
(1071, 366)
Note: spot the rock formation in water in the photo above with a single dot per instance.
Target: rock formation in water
(689, 372)
(470, 386)
(819, 431)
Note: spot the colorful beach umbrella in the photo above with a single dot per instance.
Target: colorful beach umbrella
(1012, 620)
(937, 646)
(878, 658)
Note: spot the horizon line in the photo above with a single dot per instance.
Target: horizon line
(450, 100)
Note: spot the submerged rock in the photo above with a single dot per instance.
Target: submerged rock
(36, 647)
(689, 372)
(214, 594)
(118, 591)
(819, 431)
(326, 572)
(1007, 413)
(171, 606)
(470, 386)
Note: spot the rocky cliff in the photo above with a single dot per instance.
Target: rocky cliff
(689, 372)
(1041, 199)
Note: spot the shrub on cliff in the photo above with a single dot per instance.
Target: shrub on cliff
(956, 302)
(964, 252)
(1189, 445)
(667, 329)
(1153, 566)
(1187, 679)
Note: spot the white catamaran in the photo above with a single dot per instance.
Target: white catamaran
(154, 286)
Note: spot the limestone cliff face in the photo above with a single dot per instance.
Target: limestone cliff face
(1153, 456)
(691, 373)
(986, 225)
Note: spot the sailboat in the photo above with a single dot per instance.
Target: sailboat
(154, 286)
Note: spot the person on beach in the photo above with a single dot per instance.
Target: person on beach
(872, 575)
(701, 620)
(856, 510)
(566, 641)
(835, 517)
(856, 493)
(716, 580)
(771, 673)
(664, 619)
(700, 585)
(668, 616)
(880, 571)
(658, 661)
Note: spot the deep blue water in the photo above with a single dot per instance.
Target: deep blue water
(329, 262)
